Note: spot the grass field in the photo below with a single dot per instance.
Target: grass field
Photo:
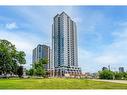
(58, 83)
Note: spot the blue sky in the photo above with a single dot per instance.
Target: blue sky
(102, 32)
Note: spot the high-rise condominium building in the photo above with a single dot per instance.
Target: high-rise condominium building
(41, 51)
(64, 45)
(104, 68)
(121, 69)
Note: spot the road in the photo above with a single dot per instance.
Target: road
(116, 81)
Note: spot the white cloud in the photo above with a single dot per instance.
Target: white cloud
(11, 26)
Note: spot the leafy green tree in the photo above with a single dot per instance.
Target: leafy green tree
(20, 71)
(7, 51)
(20, 56)
(106, 74)
(39, 67)
(118, 75)
(27, 72)
(39, 71)
(15, 68)
(125, 75)
(31, 72)
(10, 58)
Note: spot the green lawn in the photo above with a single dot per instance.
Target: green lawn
(58, 83)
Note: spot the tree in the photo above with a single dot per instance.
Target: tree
(15, 68)
(10, 58)
(106, 74)
(7, 51)
(118, 75)
(20, 71)
(39, 67)
(31, 72)
(125, 75)
(39, 71)
(27, 72)
(20, 56)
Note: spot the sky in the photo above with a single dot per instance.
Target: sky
(101, 32)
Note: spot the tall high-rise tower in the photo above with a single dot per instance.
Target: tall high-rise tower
(64, 45)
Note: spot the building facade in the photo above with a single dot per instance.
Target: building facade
(121, 69)
(41, 51)
(104, 68)
(64, 46)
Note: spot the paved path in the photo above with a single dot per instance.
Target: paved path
(116, 81)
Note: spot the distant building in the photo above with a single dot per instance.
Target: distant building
(95, 75)
(104, 68)
(64, 45)
(121, 69)
(41, 51)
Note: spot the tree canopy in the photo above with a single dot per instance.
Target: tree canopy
(106, 74)
(39, 68)
(10, 58)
